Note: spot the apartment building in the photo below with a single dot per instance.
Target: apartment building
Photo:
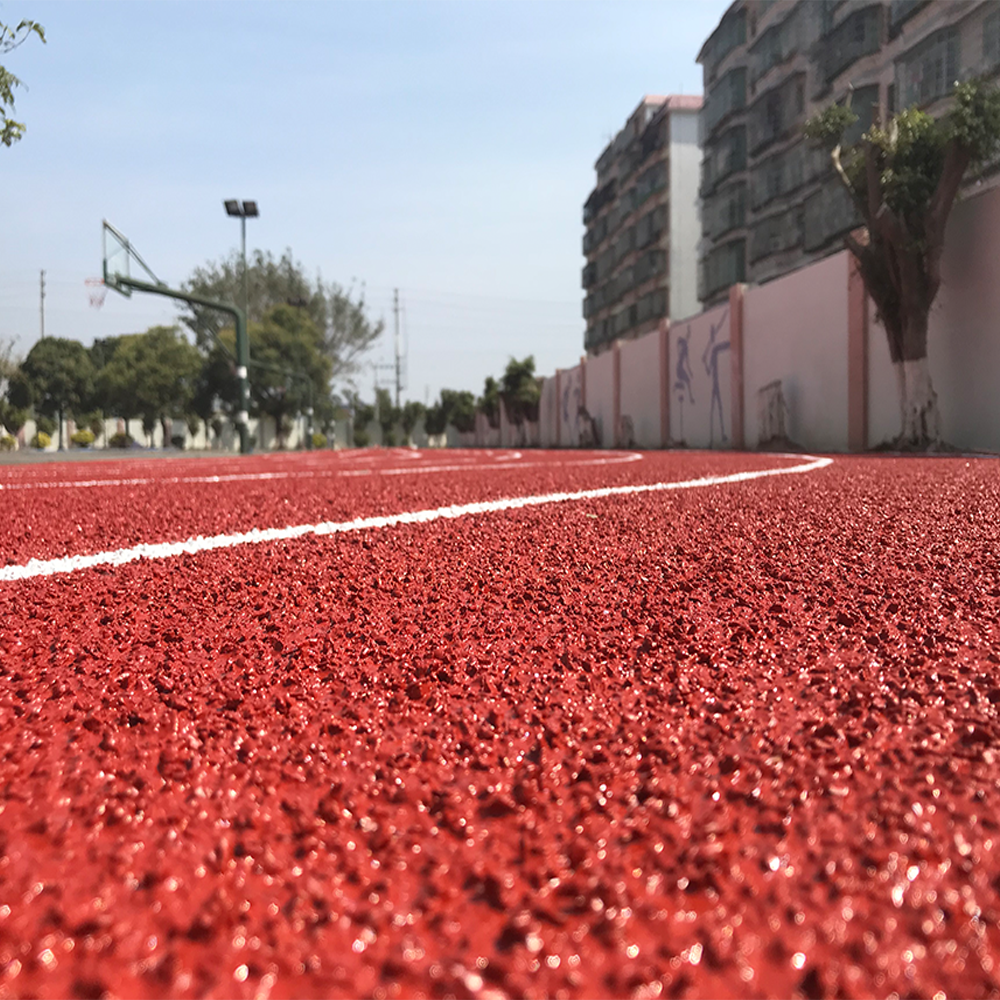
(770, 202)
(642, 225)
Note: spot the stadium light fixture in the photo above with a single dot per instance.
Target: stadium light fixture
(243, 211)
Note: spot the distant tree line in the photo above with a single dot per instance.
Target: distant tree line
(518, 389)
(302, 335)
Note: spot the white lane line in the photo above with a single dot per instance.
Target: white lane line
(236, 477)
(168, 550)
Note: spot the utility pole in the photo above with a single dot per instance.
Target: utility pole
(41, 302)
(395, 312)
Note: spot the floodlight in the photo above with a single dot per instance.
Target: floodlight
(250, 209)
(232, 207)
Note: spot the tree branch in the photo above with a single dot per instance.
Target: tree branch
(846, 181)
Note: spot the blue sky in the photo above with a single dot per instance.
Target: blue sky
(444, 148)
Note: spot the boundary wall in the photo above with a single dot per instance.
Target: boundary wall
(800, 361)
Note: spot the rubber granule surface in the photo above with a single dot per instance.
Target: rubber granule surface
(739, 740)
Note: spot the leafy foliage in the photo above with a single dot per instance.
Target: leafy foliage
(289, 367)
(150, 375)
(457, 409)
(827, 128)
(520, 390)
(345, 329)
(489, 401)
(10, 38)
(58, 376)
(411, 415)
(904, 178)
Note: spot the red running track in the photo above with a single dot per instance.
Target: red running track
(734, 740)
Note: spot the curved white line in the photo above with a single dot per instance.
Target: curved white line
(236, 477)
(166, 550)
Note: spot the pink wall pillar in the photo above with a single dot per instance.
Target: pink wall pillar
(583, 381)
(664, 332)
(736, 358)
(857, 358)
(616, 406)
(558, 407)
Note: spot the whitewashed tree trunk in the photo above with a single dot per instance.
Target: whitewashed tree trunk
(921, 423)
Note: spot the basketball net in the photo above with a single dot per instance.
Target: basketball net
(96, 291)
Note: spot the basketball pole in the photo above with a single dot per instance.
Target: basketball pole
(120, 281)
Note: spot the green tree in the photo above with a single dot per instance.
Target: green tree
(364, 414)
(14, 394)
(903, 179)
(489, 402)
(151, 375)
(388, 415)
(345, 328)
(410, 416)
(216, 388)
(59, 378)
(10, 38)
(289, 369)
(455, 408)
(520, 391)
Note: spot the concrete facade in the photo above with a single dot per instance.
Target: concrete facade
(771, 203)
(642, 224)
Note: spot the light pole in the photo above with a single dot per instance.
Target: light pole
(243, 211)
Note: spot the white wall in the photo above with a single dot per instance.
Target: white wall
(548, 409)
(685, 217)
(795, 330)
(640, 388)
(601, 396)
(700, 380)
(571, 390)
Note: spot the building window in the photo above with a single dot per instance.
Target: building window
(724, 266)
(929, 70)
(900, 11)
(859, 34)
(991, 40)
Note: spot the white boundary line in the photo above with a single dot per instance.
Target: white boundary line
(167, 550)
(239, 477)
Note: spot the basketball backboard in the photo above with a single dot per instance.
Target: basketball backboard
(119, 255)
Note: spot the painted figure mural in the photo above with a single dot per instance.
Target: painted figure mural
(710, 359)
(684, 376)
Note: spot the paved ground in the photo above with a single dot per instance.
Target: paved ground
(539, 724)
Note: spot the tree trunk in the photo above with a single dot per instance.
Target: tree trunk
(918, 402)
(921, 424)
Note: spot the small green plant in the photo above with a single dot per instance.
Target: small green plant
(7, 443)
(120, 440)
(82, 438)
(361, 439)
(45, 425)
(319, 440)
(41, 440)
(178, 441)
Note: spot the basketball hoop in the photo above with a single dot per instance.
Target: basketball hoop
(96, 291)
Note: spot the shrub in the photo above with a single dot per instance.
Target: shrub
(82, 438)
(319, 440)
(45, 425)
(120, 440)
(389, 440)
(41, 440)
(361, 439)
(178, 441)
(7, 443)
